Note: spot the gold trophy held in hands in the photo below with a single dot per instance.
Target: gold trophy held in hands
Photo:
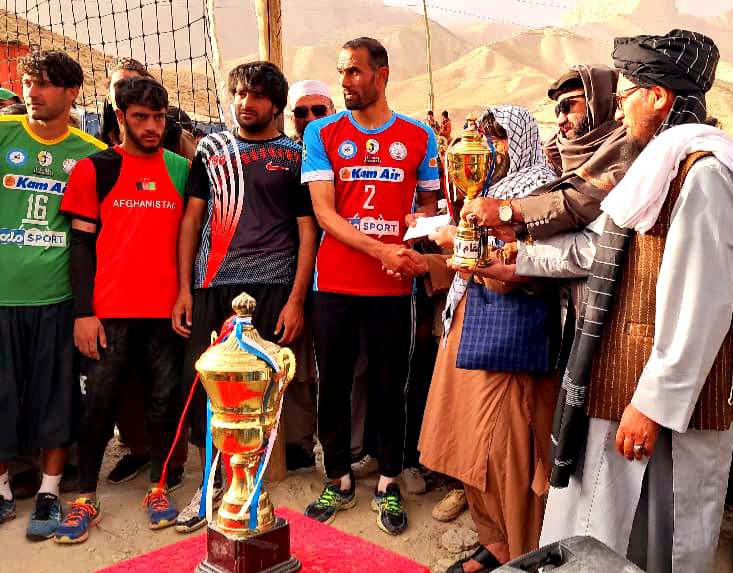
(245, 377)
(470, 163)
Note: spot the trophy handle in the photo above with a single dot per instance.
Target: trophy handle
(286, 359)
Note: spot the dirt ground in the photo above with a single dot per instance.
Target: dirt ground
(123, 531)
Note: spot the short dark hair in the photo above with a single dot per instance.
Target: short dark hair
(143, 91)
(130, 65)
(377, 52)
(430, 112)
(62, 70)
(445, 113)
(264, 76)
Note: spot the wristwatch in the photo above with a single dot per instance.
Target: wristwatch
(505, 211)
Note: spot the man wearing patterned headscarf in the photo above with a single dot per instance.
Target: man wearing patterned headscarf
(643, 425)
(487, 419)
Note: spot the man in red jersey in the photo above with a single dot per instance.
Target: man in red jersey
(125, 205)
(363, 167)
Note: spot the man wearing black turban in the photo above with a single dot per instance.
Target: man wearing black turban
(642, 433)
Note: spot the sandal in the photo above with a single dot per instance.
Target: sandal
(483, 556)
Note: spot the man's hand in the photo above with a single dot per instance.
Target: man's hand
(636, 429)
(504, 233)
(86, 332)
(411, 218)
(483, 211)
(182, 314)
(416, 257)
(397, 261)
(290, 322)
(495, 270)
(444, 236)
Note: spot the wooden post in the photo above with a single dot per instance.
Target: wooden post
(221, 83)
(431, 94)
(269, 25)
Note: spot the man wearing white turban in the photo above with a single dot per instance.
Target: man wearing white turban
(309, 100)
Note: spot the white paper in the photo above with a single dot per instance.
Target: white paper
(425, 226)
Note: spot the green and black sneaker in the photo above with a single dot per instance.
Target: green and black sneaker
(391, 518)
(331, 500)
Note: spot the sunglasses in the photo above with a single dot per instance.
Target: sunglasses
(621, 97)
(566, 105)
(301, 112)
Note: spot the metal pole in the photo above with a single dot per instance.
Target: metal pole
(431, 94)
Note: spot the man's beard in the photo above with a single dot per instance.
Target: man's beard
(145, 148)
(255, 125)
(582, 128)
(46, 114)
(364, 100)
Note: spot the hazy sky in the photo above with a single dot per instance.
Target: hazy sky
(533, 12)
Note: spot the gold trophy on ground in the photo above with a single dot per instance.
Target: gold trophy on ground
(470, 163)
(245, 378)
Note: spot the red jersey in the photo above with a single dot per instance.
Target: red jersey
(375, 174)
(137, 203)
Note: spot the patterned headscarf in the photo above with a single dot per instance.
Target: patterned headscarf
(528, 169)
(528, 166)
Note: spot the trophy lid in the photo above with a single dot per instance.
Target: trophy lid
(471, 142)
(228, 355)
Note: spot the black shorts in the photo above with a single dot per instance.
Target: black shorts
(211, 307)
(39, 380)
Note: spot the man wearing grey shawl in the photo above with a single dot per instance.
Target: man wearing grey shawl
(642, 432)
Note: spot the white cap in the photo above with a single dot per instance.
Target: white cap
(307, 88)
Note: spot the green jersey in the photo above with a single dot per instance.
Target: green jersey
(34, 237)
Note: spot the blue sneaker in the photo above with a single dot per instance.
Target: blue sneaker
(7, 509)
(161, 511)
(74, 528)
(46, 517)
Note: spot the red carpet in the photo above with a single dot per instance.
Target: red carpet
(320, 548)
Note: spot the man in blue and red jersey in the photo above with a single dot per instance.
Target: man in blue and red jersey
(363, 167)
(125, 205)
(249, 227)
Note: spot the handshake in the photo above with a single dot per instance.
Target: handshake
(401, 262)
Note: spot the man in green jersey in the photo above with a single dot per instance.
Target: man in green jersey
(37, 387)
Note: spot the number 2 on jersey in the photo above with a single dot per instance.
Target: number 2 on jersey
(371, 190)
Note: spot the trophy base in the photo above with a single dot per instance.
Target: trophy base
(267, 552)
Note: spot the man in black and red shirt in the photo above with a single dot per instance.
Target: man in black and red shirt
(248, 226)
(125, 205)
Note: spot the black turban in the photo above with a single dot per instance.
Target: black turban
(682, 61)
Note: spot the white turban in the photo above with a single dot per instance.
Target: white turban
(307, 88)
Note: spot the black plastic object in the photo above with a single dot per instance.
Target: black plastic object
(582, 554)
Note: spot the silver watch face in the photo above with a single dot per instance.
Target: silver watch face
(505, 213)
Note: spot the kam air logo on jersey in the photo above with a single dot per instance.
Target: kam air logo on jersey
(32, 238)
(16, 157)
(367, 173)
(28, 183)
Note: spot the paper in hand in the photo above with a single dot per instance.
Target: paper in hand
(425, 226)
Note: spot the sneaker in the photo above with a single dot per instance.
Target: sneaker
(189, 519)
(331, 500)
(451, 506)
(174, 479)
(365, 466)
(298, 458)
(46, 517)
(74, 528)
(161, 511)
(128, 468)
(391, 517)
(414, 481)
(7, 509)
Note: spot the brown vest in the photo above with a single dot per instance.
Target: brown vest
(629, 334)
